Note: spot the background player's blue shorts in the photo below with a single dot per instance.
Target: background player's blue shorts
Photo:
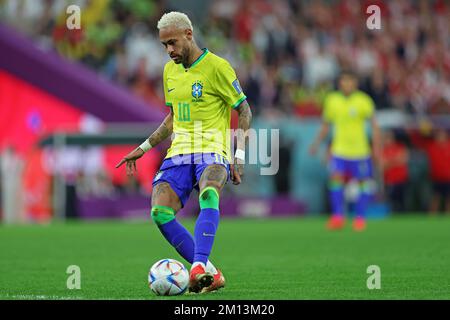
(183, 172)
(354, 168)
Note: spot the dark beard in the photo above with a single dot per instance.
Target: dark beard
(185, 53)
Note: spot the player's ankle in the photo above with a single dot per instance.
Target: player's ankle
(210, 268)
(198, 263)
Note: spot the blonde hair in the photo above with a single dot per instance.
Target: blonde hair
(175, 19)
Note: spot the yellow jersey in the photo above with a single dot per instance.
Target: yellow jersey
(202, 97)
(348, 115)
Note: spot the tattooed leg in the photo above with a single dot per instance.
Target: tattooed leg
(214, 176)
(163, 195)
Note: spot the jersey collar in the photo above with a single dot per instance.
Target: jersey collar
(347, 97)
(205, 52)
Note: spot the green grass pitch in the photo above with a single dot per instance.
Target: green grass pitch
(280, 259)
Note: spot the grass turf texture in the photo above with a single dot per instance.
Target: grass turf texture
(261, 259)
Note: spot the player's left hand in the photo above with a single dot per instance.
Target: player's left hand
(237, 171)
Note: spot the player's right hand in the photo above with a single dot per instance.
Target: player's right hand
(130, 160)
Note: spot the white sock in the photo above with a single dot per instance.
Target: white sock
(198, 263)
(210, 268)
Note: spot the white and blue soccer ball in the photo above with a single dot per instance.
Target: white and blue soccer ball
(168, 277)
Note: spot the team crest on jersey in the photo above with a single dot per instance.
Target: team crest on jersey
(197, 89)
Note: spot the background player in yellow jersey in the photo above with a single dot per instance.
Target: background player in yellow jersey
(347, 111)
(200, 89)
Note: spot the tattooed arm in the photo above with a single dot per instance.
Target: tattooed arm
(245, 119)
(163, 131)
(160, 134)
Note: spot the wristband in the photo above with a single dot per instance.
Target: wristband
(145, 146)
(240, 154)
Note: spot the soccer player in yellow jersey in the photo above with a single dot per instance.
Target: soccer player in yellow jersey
(200, 89)
(348, 110)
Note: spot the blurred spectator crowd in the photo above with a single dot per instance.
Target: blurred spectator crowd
(415, 170)
(287, 53)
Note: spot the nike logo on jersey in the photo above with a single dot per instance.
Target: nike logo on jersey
(170, 89)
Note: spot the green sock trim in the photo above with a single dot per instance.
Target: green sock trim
(366, 186)
(335, 185)
(162, 214)
(209, 198)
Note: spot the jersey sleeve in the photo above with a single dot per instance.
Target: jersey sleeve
(166, 92)
(328, 109)
(227, 85)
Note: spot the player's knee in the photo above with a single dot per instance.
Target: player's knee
(213, 184)
(209, 198)
(162, 214)
(163, 195)
(336, 182)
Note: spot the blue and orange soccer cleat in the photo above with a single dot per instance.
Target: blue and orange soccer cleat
(219, 282)
(199, 279)
(336, 222)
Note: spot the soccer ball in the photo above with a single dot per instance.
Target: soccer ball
(168, 277)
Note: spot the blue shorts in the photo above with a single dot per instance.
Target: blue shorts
(354, 168)
(183, 172)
